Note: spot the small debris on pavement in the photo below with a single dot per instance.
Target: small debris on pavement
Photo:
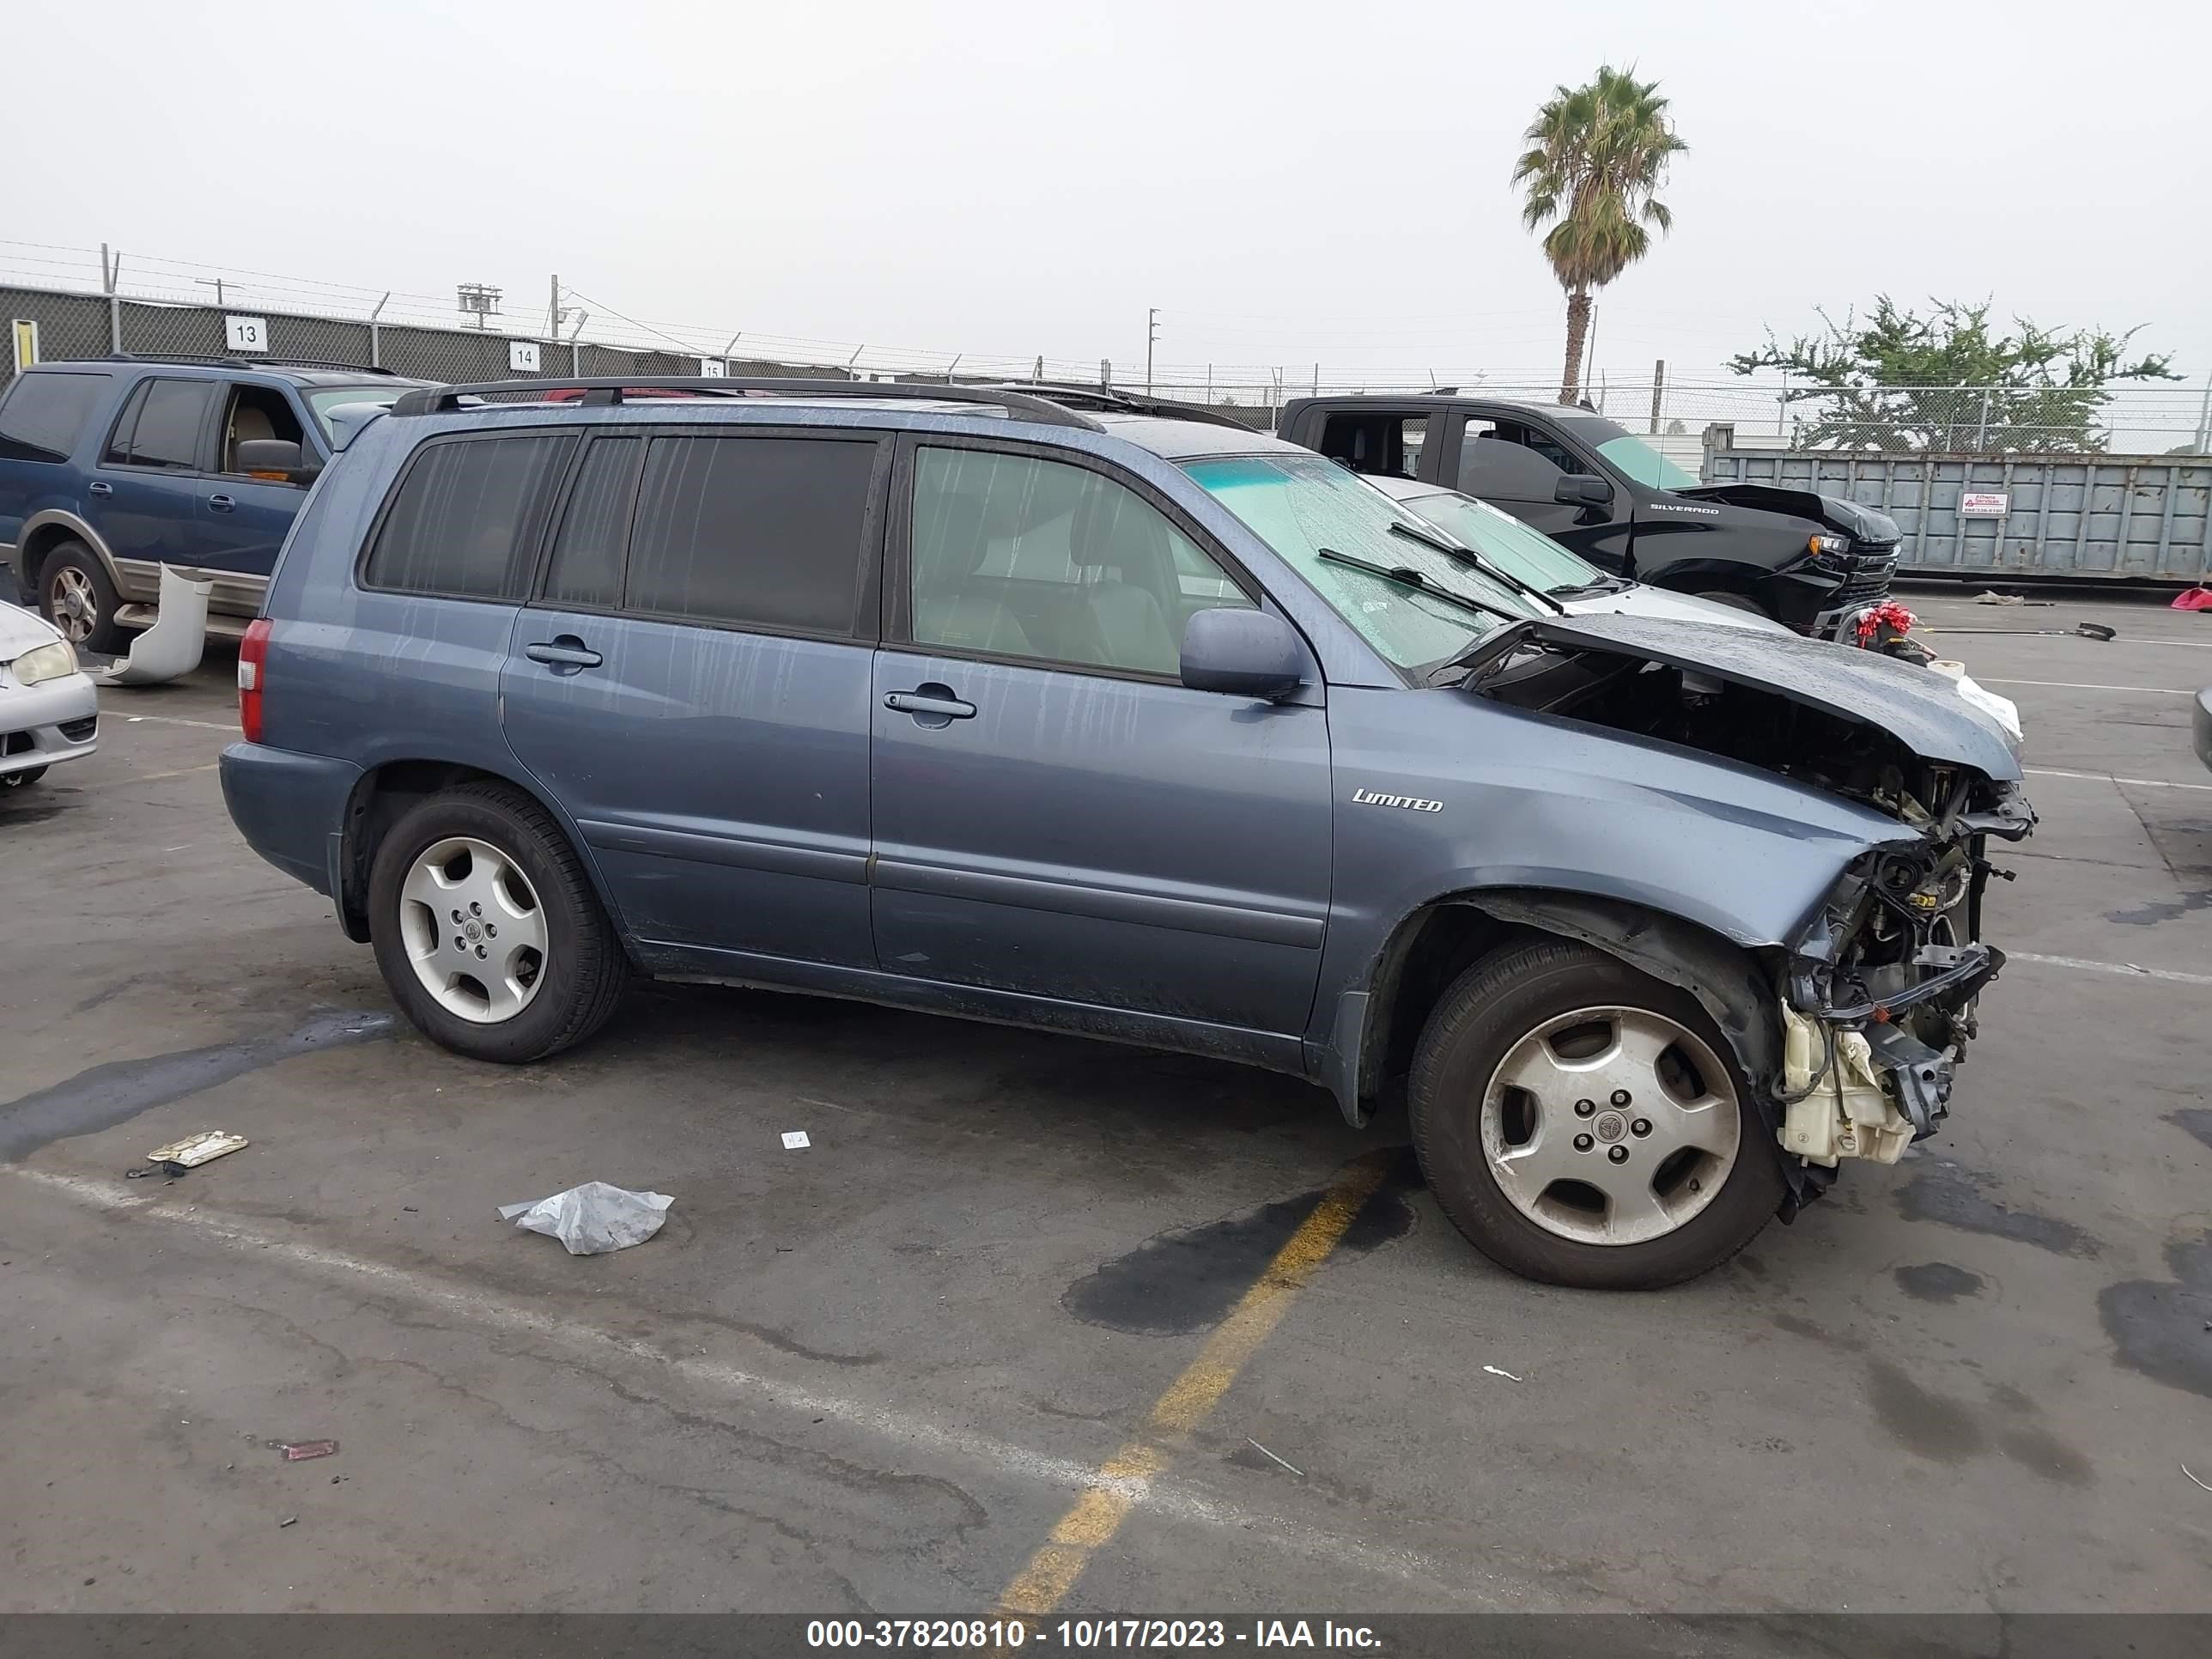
(795, 1141)
(289, 1521)
(2184, 1469)
(298, 1451)
(193, 1151)
(1508, 1376)
(2193, 598)
(1992, 598)
(1264, 1452)
(593, 1218)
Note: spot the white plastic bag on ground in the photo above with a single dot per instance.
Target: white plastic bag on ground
(594, 1218)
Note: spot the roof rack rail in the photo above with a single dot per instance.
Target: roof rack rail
(229, 362)
(1119, 402)
(600, 393)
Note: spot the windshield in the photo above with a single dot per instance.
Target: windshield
(1633, 456)
(1503, 539)
(1300, 504)
(326, 399)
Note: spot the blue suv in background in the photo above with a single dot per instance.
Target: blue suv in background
(1070, 710)
(110, 470)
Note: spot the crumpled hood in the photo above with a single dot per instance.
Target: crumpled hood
(1920, 708)
(1868, 527)
(21, 631)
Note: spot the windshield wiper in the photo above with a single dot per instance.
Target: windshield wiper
(1588, 590)
(1467, 556)
(1406, 576)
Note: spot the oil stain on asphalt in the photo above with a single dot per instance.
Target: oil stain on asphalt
(2158, 910)
(1953, 1197)
(103, 1096)
(2164, 1329)
(1938, 1281)
(1188, 1281)
(2198, 1120)
(1946, 1429)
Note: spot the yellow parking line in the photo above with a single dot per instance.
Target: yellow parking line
(1123, 1480)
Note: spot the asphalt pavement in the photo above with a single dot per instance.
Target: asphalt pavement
(1033, 1317)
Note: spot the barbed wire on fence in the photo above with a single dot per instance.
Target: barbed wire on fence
(88, 302)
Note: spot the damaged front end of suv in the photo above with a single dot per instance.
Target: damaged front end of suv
(1875, 990)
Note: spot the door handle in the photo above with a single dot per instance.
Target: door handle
(222, 504)
(97, 488)
(930, 702)
(566, 652)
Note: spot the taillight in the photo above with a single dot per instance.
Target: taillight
(252, 654)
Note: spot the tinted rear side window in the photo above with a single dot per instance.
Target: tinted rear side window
(466, 520)
(44, 416)
(587, 552)
(764, 531)
(171, 419)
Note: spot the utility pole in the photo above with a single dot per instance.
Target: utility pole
(1658, 386)
(2204, 421)
(1589, 355)
(1151, 334)
(215, 283)
(111, 274)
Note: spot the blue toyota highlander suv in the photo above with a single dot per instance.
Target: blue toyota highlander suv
(1070, 710)
(110, 470)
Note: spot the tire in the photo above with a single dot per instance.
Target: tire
(1491, 1164)
(74, 595)
(24, 778)
(497, 859)
(1740, 601)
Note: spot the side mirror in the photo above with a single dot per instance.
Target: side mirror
(1247, 653)
(276, 458)
(1581, 489)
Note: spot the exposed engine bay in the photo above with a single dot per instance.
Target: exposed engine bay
(1876, 993)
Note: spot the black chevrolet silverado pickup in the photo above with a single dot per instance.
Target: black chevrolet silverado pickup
(1810, 561)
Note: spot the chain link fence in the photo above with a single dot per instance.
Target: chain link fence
(78, 327)
(166, 313)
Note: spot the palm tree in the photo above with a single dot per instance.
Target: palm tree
(1596, 156)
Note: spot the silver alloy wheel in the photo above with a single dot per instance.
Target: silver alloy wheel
(75, 607)
(1610, 1126)
(473, 930)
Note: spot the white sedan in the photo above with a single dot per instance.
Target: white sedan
(49, 710)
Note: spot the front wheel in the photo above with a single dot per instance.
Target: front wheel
(487, 930)
(1583, 1124)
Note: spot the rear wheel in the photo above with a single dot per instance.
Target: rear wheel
(487, 930)
(1584, 1124)
(76, 595)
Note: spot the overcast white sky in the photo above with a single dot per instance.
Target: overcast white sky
(1286, 181)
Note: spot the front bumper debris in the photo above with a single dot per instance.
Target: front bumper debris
(1856, 1081)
